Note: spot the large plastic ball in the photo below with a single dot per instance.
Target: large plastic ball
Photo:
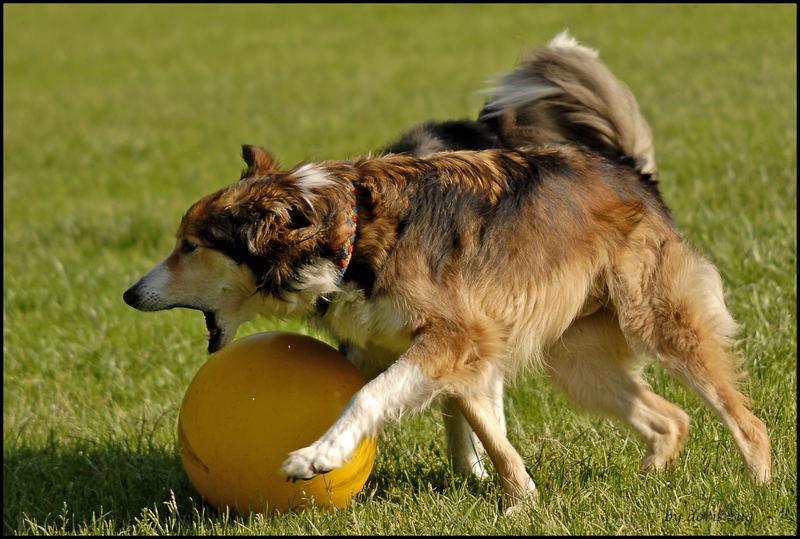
(250, 405)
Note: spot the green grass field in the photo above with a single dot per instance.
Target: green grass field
(116, 118)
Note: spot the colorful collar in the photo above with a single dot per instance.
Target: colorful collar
(352, 219)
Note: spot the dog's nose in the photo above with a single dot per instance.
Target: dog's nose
(131, 297)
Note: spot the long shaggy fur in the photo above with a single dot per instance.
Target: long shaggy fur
(534, 236)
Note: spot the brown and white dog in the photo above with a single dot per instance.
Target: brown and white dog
(542, 242)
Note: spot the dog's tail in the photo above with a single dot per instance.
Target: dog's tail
(564, 93)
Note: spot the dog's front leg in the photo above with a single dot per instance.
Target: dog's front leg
(463, 446)
(401, 388)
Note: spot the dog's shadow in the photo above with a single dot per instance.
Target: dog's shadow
(424, 473)
(66, 487)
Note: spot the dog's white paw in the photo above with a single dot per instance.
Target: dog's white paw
(521, 500)
(308, 462)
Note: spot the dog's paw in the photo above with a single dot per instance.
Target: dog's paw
(308, 462)
(519, 500)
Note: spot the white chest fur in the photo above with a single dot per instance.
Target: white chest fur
(367, 322)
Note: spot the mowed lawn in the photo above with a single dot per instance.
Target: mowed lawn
(116, 118)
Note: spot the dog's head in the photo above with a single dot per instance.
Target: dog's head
(273, 243)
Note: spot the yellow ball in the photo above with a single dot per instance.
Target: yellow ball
(250, 405)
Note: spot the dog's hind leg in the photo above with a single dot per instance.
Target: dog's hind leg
(670, 304)
(463, 446)
(593, 364)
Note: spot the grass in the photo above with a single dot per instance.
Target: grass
(116, 118)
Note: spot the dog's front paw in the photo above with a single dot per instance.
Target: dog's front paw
(308, 462)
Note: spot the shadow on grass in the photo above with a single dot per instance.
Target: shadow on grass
(92, 487)
(82, 486)
(68, 487)
(427, 479)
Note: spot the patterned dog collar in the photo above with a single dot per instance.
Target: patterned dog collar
(352, 220)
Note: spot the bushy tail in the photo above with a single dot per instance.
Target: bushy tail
(564, 93)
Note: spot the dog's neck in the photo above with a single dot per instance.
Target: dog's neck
(380, 184)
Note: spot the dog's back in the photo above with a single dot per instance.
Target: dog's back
(487, 234)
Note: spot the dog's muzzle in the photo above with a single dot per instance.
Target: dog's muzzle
(143, 298)
(139, 300)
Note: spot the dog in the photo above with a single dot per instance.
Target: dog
(532, 237)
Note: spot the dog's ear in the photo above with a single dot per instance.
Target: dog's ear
(298, 220)
(289, 226)
(259, 162)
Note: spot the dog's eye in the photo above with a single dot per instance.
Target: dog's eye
(187, 246)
